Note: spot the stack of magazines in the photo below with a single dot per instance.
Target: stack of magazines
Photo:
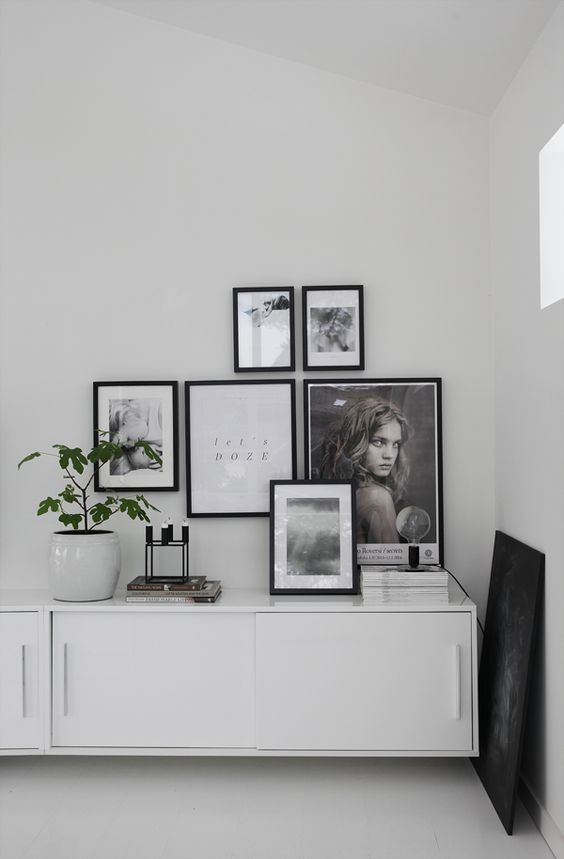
(426, 584)
(196, 589)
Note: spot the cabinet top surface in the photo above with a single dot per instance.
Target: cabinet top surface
(237, 599)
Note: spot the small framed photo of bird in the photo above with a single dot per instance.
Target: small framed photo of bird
(263, 329)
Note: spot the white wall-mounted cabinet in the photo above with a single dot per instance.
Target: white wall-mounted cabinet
(153, 679)
(248, 675)
(397, 681)
(20, 726)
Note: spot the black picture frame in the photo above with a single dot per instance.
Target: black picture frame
(263, 329)
(127, 412)
(333, 327)
(312, 537)
(339, 416)
(510, 634)
(240, 434)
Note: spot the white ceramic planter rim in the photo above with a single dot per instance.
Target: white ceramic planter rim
(84, 535)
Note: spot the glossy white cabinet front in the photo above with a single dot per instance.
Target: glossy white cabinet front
(19, 680)
(388, 681)
(158, 679)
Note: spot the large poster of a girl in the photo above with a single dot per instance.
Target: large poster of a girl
(385, 435)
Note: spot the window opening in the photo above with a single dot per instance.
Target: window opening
(551, 219)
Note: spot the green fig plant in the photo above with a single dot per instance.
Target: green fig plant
(74, 462)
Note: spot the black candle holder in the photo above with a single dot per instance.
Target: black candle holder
(167, 541)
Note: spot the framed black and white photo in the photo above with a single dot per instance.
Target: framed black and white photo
(312, 537)
(385, 435)
(128, 412)
(239, 437)
(263, 329)
(333, 327)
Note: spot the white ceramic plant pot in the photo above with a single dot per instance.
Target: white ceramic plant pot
(84, 567)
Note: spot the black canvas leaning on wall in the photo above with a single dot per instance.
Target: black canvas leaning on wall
(510, 633)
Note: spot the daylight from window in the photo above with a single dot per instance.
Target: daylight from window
(551, 219)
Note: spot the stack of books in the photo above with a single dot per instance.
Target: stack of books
(197, 589)
(427, 584)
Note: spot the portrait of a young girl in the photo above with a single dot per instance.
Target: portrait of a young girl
(368, 445)
(384, 437)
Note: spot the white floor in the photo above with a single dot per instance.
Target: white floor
(213, 808)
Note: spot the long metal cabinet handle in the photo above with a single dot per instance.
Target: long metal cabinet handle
(24, 686)
(457, 706)
(65, 680)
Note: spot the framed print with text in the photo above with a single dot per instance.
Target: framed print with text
(312, 537)
(239, 437)
(333, 327)
(263, 329)
(127, 412)
(385, 435)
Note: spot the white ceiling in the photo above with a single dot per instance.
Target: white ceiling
(462, 53)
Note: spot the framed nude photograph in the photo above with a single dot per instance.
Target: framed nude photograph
(128, 412)
(333, 327)
(239, 437)
(312, 537)
(385, 436)
(263, 329)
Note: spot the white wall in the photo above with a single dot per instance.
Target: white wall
(529, 413)
(146, 172)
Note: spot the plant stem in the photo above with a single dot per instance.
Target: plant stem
(95, 470)
(84, 504)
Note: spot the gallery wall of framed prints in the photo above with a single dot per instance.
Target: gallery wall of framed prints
(375, 445)
(127, 412)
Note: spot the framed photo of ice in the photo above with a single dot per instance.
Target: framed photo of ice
(333, 327)
(385, 436)
(128, 412)
(263, 329)
(239, 437)
(312, 537)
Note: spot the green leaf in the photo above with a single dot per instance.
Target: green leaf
(100, 512)
(28, 458)
(132, 508)
(144, 501)
(72, 519)
(149, 451)
(69, 495)
(48, 504)
(73, 456)
(105, 451)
